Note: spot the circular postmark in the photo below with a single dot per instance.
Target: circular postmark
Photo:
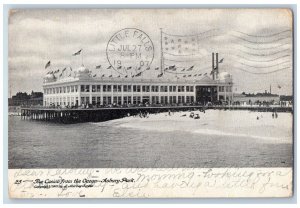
(130, 50)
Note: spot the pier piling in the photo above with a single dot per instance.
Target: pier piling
(103, 114)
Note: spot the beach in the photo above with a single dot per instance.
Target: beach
(250, 124)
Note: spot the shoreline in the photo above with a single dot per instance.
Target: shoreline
(253, 125)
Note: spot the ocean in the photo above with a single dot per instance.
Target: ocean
(217, 139)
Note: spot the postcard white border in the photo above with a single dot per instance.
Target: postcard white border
(249, 4)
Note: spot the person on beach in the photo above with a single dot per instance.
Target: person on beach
(197, 116)
(273, 115)
(192, 115)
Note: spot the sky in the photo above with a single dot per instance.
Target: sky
(255, 44)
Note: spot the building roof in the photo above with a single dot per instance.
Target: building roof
(83, 75)
(206, 80)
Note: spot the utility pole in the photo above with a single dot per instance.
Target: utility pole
(82, 57)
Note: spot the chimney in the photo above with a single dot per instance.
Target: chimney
(213, 66)
(217, 61)
(217, 65)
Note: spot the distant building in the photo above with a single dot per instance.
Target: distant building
(286, 100)
(24, 99)
(256, 99)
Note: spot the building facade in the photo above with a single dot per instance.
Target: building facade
(83, 89)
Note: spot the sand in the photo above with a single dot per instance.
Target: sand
(217, 122)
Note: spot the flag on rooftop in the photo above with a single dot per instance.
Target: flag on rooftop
(190, 69)
(160, 75)
(47, 65)
(109, 67)
(221, 61)
(77, 53)
(174, 45)
(98, 67)
(138, 74)
(183, 51)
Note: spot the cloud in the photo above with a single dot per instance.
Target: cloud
(37, 36)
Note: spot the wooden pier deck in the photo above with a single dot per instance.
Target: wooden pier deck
(78, 115)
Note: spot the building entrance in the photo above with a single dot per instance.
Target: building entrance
(205, 94)
(146, 99)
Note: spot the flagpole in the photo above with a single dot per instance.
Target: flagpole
(161, 52)
(82, 57)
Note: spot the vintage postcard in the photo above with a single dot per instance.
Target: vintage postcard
(150, 103)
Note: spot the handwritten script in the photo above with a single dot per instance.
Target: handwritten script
(147, 183)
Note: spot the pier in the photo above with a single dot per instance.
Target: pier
(79, 115)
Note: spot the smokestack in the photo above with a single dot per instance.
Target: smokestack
(213, 65)
(217, 65)
(217, 61)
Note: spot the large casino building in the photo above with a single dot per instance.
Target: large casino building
(83, 89)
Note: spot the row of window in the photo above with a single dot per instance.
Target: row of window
(126, 88)
(71, 101)
(136, 88)
(58, 90)
(118, 88)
